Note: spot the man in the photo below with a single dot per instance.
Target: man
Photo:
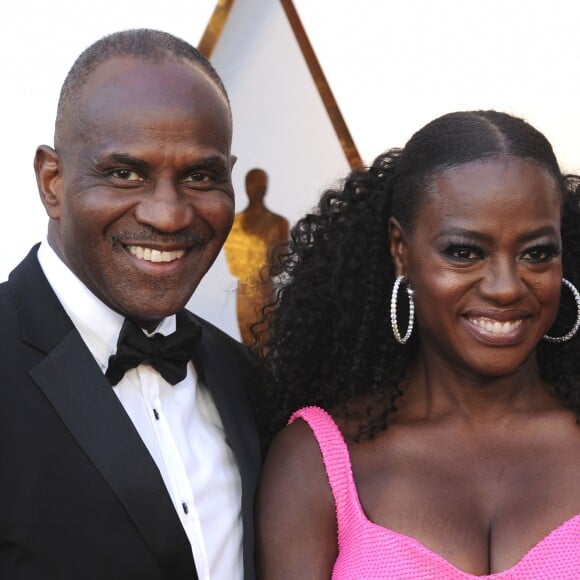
(118, 463)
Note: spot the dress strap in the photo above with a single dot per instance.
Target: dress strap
(336, 461)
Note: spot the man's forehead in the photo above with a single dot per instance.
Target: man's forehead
(130, 72)
(126, 91)
(123, 85)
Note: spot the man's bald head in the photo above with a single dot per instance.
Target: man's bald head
(146, 44)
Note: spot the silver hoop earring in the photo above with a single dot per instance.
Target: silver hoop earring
(394, 324)
(576, 324)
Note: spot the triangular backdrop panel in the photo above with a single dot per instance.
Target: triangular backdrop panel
(280, 125)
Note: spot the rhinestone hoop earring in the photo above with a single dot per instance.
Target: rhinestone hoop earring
(576, 324)
(394, 295)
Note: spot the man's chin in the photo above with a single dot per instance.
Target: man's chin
(148, 315)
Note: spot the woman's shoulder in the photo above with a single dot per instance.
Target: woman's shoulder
(295, 507)
(296, 447)
(297, 510)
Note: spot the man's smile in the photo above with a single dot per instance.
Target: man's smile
(151, 255)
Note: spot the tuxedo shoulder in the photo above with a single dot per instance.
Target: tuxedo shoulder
(221, 338)
(215, 331)
(8, 310)
(3, 288)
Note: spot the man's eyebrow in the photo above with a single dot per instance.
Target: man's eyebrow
(123, 159)
(211, 161)
(214, 162)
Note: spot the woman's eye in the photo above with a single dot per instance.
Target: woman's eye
(126, 175)
(463, 253)
(540, 254)
(535, 255)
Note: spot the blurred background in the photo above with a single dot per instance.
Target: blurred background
(391, 68)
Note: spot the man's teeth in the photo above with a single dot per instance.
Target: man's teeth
(155, 255)
(496, 327)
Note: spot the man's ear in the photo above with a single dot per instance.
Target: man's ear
(48, 169)
(233, 159)
(398, 245)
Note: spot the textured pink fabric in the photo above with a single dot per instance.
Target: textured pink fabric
(369, 551)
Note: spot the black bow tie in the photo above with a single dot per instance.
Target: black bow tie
(168, 355)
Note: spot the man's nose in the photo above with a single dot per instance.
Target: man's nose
(165, 208)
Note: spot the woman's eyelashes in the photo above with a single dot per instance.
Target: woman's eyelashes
(466, 251)
(462, 250)
(541, 253)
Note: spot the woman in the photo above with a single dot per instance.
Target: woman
(427, 323)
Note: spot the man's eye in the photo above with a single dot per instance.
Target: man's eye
(198, 177)
(126, 175)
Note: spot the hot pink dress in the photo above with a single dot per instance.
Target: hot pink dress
(367, 551)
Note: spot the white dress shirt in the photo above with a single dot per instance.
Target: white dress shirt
(179, 425)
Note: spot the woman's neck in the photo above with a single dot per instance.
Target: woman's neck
(435, 388)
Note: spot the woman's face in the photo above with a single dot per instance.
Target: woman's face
(484, 260)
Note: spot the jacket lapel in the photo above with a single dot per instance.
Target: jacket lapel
(75, 386)
(228, 389)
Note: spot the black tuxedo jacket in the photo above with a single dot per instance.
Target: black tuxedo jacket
(80, 496)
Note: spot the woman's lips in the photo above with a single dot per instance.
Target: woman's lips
(495, 331)
(496, 326)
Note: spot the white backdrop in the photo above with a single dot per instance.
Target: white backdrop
(392, 66)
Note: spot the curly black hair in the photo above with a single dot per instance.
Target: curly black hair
(329, 340)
